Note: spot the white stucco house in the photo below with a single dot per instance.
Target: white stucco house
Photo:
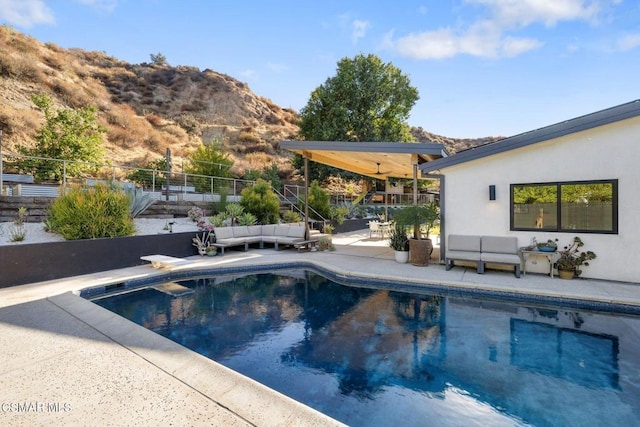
(580, 177)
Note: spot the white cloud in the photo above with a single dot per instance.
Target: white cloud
(512, 46)
(359, 29)
(628, 42)
(249, 74)
(494, 34)
(549, 12)
(105, 5)
(278, 68)
(482, 40)
(25, 13)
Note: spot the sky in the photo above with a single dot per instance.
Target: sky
(481, 67)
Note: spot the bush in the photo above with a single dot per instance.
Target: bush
(319, 202)
(291, 216)
(261, 201)
(91, 213)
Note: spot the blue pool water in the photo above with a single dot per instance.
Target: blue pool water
(379, 357)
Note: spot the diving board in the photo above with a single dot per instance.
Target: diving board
(163, 261)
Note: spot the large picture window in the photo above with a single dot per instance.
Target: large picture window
(585, 206)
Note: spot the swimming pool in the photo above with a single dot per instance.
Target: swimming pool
(377, 356)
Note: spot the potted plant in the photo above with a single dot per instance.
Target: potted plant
(399, 242)
(571, 259)
(419, 217)
(548, 246)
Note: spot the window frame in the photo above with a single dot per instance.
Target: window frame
(558, 228)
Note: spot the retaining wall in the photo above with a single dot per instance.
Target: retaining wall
(28, 263)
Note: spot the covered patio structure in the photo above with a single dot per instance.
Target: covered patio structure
(379, 160)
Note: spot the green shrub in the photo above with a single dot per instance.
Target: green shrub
(17, 231)
(91, 213)
(260, 200)
(221, 205)
(218, 219)
(319, 202)
(291, 216)
(247, 218)
(339, 214)
(234, 211)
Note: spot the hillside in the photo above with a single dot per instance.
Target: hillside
(149, 107)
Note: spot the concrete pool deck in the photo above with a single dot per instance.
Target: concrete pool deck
(67, 361)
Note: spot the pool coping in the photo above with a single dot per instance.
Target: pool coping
(246, 398)
(377, 281)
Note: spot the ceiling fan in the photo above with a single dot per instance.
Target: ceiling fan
(381, 173)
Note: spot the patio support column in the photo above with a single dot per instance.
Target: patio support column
(386, 201)
(1, 183)
(306, 197)
(414, 162)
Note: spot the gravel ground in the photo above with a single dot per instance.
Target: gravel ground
(144, 226)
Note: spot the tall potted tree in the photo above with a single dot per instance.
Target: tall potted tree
(420, 217)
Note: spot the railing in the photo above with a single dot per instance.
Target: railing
(372, 198)
(55, 173)
(297, 198)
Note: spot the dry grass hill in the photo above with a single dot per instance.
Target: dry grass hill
(149, 107)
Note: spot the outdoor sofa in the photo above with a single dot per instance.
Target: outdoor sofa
(482, 250)
(277, 234)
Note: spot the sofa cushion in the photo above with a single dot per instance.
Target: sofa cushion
(296, 231)
(255, 230)
(500, 258)
(463, 255)
(269, 229)
(287, 240)
(459, 242)
(282, 230)
(232, 241)
(500, 244)
(241, 231)
(252, 239)
(223, 232)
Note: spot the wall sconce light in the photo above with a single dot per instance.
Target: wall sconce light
(492, 192)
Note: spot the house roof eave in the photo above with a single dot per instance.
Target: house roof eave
(579, 124)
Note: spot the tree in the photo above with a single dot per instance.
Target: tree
(270, 173)
(208, 160)
(147, 177)
(158, 59)
(67, 134)
(367, 100)
(261, 201)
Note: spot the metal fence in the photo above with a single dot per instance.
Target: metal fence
(40, 176)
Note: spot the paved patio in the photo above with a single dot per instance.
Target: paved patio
(69, 362)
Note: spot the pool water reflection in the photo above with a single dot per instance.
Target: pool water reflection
(382, 357)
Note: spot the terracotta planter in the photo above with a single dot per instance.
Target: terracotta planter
(566, 274)
(420, 251)
(402, 256)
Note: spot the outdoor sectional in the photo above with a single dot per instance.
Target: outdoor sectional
(243, 235)
(482, 250)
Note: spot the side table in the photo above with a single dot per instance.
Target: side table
(550, 257)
